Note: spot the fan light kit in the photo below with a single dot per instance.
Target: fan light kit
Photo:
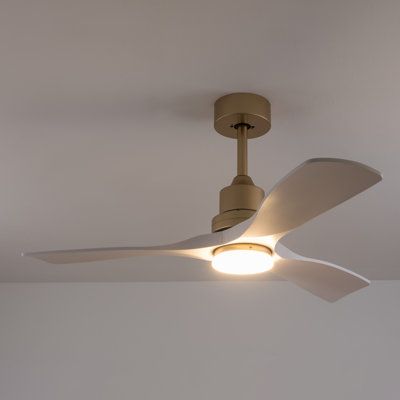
(242, 259)
(246, 232)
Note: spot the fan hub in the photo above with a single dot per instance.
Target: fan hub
(237, 202)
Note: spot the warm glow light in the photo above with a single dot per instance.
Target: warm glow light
(242, 259)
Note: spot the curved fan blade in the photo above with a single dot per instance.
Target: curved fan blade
(312, 188)
(199, 247)
(97, 254)
(323, 279)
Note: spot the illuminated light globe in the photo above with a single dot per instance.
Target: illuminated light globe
(242, 259)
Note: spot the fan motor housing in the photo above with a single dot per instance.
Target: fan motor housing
(237, 202)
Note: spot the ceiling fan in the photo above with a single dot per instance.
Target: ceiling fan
(245, 234)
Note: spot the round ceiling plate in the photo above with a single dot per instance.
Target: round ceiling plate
(242, 108)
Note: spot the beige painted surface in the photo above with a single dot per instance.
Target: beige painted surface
(215, 340)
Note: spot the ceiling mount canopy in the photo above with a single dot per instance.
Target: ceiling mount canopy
(247, 109)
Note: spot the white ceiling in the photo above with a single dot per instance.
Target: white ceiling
(106, 125)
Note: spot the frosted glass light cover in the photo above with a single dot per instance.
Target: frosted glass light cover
(242, 261)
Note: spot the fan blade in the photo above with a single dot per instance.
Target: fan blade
(312, 188)
(325, 280)
(198, 247)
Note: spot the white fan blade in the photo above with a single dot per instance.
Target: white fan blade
(325, 280)
(200, 247)
(96, 254)
(312, 188)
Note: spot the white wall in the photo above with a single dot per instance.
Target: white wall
(197, 341)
